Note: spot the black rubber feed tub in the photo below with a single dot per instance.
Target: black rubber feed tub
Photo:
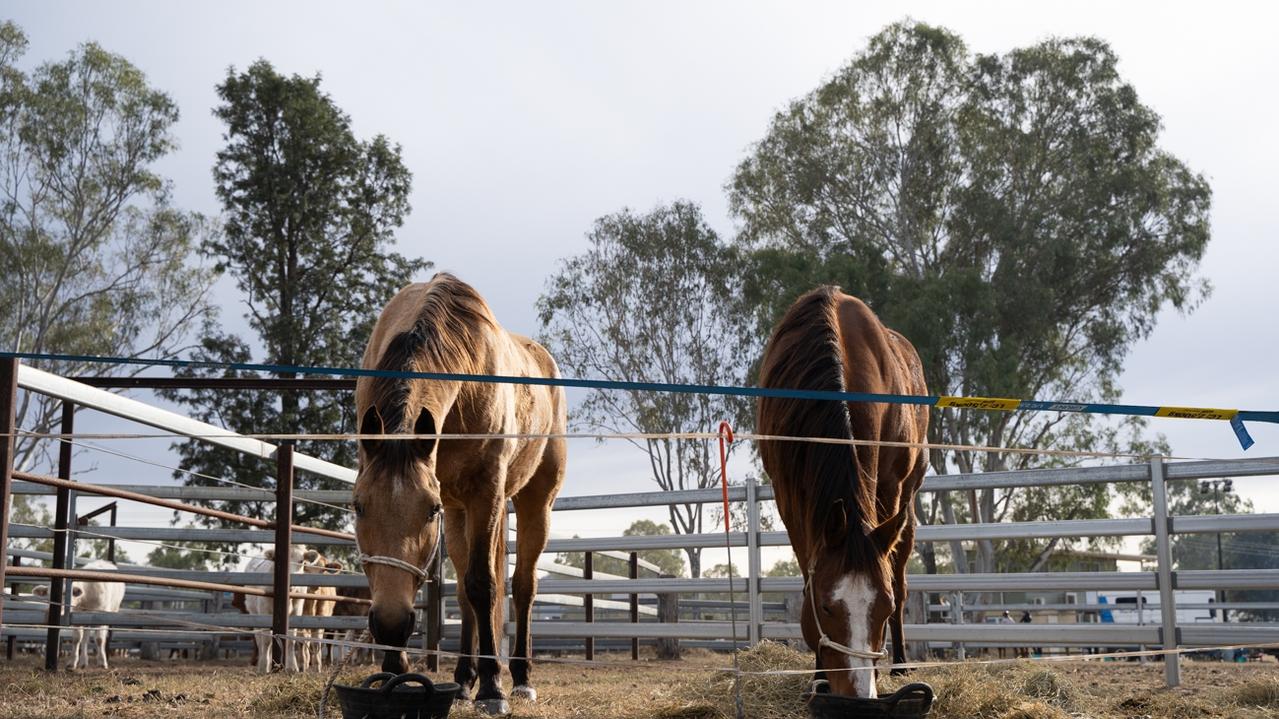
(912, 700)
(397, 698)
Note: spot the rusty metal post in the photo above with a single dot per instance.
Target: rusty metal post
(61, 535)
(8, 408)
(283, 540)
(13, 592)
(634, 567)
(588, 602)
(435, 609)
(111, 542)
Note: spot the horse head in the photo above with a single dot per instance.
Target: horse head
(848, 599)
(397, 525)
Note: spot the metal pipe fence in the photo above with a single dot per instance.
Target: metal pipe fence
(1164, 582)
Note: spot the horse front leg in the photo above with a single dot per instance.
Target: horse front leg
(485, 587)
(901, 555)
(459, 553)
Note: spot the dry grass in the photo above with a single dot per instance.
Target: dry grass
(689, 689)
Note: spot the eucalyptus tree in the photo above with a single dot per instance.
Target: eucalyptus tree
(310, 213)
(95, 257)
(1013, 214)
(651, 299)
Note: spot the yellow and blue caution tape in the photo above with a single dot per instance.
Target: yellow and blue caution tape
(1236, 417)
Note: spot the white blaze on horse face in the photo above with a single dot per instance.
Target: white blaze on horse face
(857, 594)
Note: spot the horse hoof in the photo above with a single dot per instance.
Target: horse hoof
(899, 672)
(493, 707)
(524, 692)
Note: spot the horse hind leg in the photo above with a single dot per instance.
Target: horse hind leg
(533, 514)
(901, 555)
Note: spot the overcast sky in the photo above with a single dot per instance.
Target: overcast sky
(522, 123)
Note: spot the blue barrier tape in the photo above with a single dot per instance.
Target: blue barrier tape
(1236, 417)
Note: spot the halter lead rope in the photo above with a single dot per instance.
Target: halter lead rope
(419, 572)
(826, 641)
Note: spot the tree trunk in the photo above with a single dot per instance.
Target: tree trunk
(959, 557)
(668, 612)
(927, 553)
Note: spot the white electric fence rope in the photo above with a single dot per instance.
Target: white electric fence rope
(205, 627)
(334, 437)
(167, 545)
(214, 629)
(230, 482)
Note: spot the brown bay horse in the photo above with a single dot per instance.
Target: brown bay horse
(849, 510)
(405, 487)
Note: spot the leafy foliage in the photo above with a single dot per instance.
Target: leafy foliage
(648, 302)
(179, 555)
(668, 560)
(97, 260)
(310, 214)
(1254, 550)
(1012, 214)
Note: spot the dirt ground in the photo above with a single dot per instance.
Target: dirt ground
(650, 689)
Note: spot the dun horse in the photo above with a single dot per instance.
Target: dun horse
(849, 510)
(405, 487)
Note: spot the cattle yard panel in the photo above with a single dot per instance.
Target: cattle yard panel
(1163, 581)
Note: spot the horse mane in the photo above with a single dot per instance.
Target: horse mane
(454, 325)
(806, 352)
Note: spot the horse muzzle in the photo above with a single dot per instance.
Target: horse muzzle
(391, 626)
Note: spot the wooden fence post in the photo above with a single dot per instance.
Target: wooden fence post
(13, 592)
(634, 567)
(8, 423)
(588, 602)
(434, 630)
(668, 613)
(61, 541)
(283, 540)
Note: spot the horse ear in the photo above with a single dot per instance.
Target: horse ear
(425, 424)
(889, 532)
(836, 530)
(371, 423)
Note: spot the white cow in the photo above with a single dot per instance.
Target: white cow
(299, 557)
(91, 597)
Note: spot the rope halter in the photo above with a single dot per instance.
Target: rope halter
(826, 641)
(419, 572)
